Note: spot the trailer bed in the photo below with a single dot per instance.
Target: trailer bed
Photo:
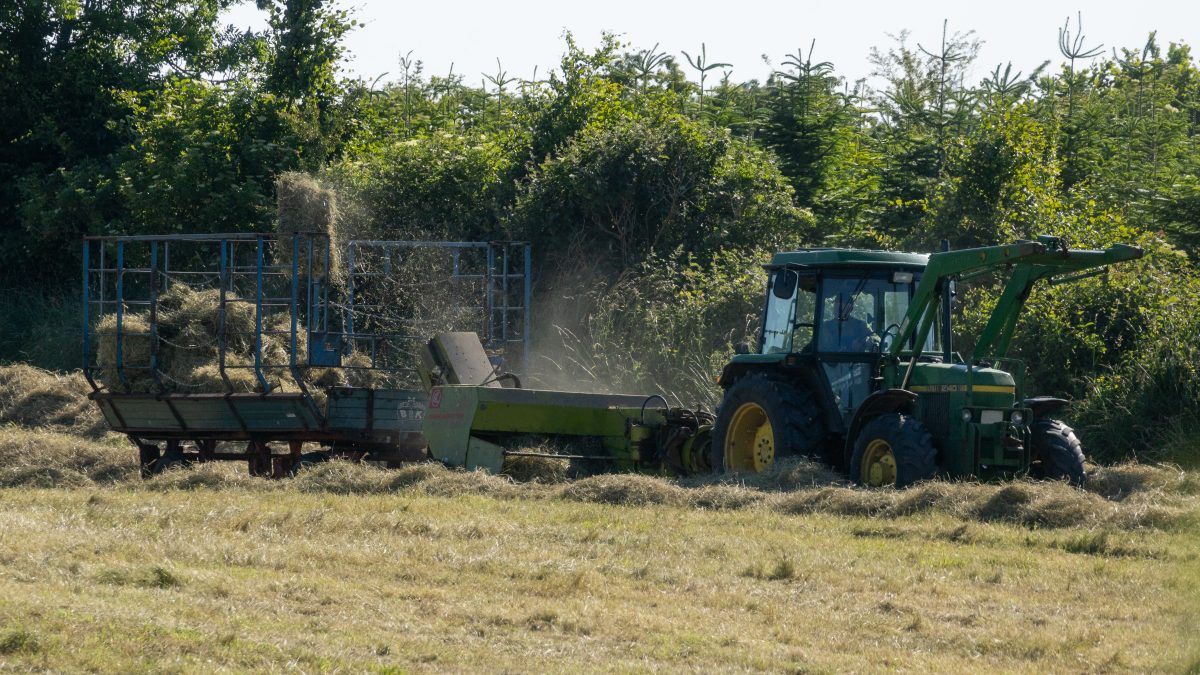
(381, 425)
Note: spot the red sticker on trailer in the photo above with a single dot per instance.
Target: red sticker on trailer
(435, 398)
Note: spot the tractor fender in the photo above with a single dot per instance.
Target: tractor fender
(730, 374)
(1041, 406)
(878, 403)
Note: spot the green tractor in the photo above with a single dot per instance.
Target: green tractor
(854, 365)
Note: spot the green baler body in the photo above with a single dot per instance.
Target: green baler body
(467, 425)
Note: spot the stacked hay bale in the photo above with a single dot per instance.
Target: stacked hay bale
(189, 321)
(306, 206)
(189, 324)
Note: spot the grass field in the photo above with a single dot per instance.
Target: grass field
(349, 568)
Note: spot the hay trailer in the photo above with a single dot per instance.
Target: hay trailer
(275, 349)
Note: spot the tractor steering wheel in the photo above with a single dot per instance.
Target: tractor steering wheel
(886, 335)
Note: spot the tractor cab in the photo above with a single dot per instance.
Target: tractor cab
(841, 309)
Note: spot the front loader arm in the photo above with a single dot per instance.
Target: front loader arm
(1057, 264)
(923, 307)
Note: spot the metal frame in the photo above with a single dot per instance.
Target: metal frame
(505, 264)
(159, 276)
(131, 273)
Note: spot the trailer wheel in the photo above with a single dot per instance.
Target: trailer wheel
(148, 456)
(1057, 452)
(171, 457)
(764, 416)
(893, 450)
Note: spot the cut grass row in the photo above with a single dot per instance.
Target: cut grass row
(1122, 497)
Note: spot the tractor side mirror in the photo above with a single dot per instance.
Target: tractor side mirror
(784, 284)
(742, 347)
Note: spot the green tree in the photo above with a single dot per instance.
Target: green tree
(639, 185)
(68, 70)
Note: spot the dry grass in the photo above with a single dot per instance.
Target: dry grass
(245, 579)
(1121, 498)
(55, 437)
(33, 397)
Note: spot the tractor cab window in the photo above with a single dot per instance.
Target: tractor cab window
(862, 313)
(789, 319)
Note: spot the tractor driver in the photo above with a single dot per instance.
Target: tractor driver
(843, 332)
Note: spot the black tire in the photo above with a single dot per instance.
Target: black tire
(911, 445)
(791, 409)
(1057, 452)
(171, 457)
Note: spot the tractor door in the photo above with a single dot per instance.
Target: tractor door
(790, 317)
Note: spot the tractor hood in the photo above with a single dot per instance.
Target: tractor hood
(996, 387)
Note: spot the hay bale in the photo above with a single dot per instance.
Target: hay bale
(208, 378)
(190, 320)
(135, 352)
(305, 206)
(189, 323)
(358, 372)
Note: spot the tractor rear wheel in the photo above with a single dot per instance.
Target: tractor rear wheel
(1057, 452)
(893, 450)
(764, 416)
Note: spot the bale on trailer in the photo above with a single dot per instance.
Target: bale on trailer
(305, 206)
(134, 350)
(188, 326)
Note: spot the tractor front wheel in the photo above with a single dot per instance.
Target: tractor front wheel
(893, 450)
(764, 416)
(1057, 452)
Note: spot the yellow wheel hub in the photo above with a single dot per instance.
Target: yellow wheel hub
(878, 464)
(750, 442)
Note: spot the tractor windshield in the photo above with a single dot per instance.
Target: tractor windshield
(862, 312)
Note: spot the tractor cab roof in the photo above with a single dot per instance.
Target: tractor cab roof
(848, 257)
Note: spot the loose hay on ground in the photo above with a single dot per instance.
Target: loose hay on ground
(41, 407)
(44, 458)
(33, 397)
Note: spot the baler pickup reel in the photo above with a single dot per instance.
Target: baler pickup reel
(476, 420)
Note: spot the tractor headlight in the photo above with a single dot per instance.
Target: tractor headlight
(1018, 417)
(967, 415)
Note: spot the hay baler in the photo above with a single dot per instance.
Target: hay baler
(473, 420)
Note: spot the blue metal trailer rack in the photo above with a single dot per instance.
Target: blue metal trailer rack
(287, 280)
